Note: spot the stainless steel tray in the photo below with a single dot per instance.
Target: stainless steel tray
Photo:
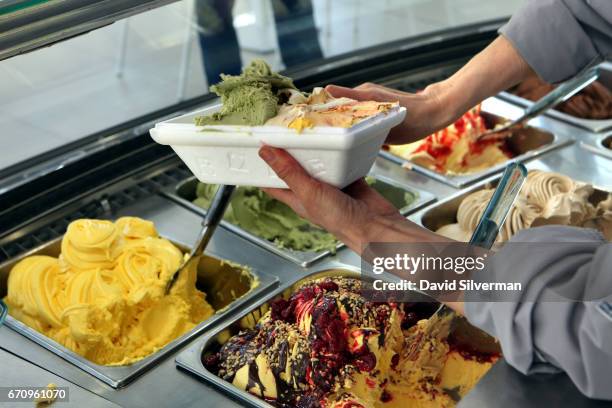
(185, 192)
(598, 145)
(527, 144)
(213, 277)
(444, 212)
(605, 77)
(191, 358)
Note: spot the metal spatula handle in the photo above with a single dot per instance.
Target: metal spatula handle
(486, 232)
(3, 312)
(213, 217)
(499, 206)
(560, 94)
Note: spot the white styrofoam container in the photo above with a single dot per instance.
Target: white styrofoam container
(229, 154)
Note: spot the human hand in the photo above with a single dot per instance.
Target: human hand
(498, 67)
(356, 215)
(425, 113)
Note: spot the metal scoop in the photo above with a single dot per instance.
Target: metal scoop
(3, 311)
(213, 217)
(560, 94)
(493, 218)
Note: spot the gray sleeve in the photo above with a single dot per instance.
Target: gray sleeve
(547, 336)
(559, 38)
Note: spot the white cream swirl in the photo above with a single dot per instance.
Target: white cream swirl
(546, 199)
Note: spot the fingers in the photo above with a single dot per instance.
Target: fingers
(381, 90)
(320, 203)
(360, 94)
(365, 92)
(342, 92)
(288, 197)
(290, 171)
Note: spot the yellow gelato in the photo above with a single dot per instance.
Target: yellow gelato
(103, 298)
(546, 199)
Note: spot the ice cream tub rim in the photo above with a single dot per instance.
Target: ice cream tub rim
(183, 131)
(121, 376)
(190, 359)
(598, 145)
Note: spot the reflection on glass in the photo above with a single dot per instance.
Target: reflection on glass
(153, 60)
(295, 30)
(3, 312)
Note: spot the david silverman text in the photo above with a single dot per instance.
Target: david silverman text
(464, 284)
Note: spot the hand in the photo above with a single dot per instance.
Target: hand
(356, 215)
(425, 112)
(496, 68)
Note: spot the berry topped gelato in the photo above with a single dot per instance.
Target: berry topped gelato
(457, 148)
(328, 346)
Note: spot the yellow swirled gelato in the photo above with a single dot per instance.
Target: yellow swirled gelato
(90, 244)
(104, 297)
(546, 199)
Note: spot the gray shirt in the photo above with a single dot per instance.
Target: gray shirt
(539, 335)
(560, 38)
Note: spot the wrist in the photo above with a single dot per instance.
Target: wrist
(444, 106)
(358, 235)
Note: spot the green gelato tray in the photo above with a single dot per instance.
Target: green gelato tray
(275, 227)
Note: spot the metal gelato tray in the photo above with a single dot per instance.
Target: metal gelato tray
(601, 145)
(526, 144)
(605, 77)
(444, 212)
(191, 358)
(227, 288)
(185, 192)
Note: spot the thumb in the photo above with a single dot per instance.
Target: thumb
(289, 170)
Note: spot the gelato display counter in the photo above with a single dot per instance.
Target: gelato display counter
(261, 259)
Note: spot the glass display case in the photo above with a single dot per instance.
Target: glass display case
(160, 58)
(82, 82)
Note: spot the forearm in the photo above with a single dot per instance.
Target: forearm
(495, 69)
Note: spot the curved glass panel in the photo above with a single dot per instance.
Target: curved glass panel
(78, 87)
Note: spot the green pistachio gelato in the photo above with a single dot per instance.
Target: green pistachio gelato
(248, 99)
(396, 196)
(261, 215)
